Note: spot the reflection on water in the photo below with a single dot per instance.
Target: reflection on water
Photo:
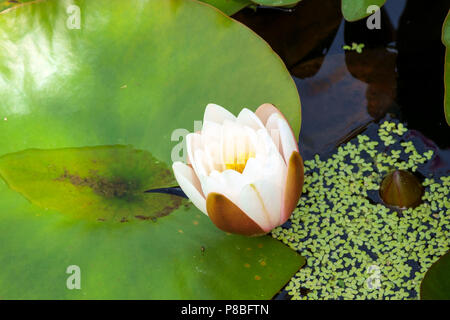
(333, 104)
(296, 36)
(342, 91)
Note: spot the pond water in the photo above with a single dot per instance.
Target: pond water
(399, 71)
(398, 75)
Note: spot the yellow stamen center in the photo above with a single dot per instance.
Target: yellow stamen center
(239, 161)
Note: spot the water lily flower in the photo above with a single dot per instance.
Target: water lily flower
(244, 172)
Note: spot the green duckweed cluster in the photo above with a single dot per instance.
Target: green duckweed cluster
(357, 248)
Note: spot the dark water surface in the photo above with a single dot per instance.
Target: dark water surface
(399, 72)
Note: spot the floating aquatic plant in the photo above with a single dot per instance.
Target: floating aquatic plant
(355, 47)
(355, 247)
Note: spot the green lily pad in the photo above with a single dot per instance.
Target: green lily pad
(276, 3)
(104, 183)
(353, 10)
(446, 42)
(6, 4)
(88, 114)
(229, 7)
(436, 283)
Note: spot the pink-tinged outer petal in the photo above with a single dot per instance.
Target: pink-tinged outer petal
(264, 112)
(288, 142)
(229, 218)
(190, 184)
(274, 131)
(193, 142)
(293, 187)
(218, 114)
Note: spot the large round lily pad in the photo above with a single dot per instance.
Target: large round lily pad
(229, 6)
(353, 10)
(6, 4)
(86, 118)
(232, 6)
(276, 3)
(436, 283)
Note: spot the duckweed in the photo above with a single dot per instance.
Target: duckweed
(357, 248)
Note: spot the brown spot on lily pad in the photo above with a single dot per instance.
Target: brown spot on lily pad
(108, 188)
(104, 183)
(142, 217)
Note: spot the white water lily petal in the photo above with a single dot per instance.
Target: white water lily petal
(274, 169)
(266, 145)
(247, 118)
(203, 163)
(253, 169)
(229, 183)
(245, 160)
(211, 131)
(273, 182)
(213, 150)
(193, 142)
(243, 148)
(218, 114)
(190, 184)
(274, 131)
(288, 142)
(252, 138)
(208, 161)
(228, 142)
(251, 204)
(271, 168)
(271, 195)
